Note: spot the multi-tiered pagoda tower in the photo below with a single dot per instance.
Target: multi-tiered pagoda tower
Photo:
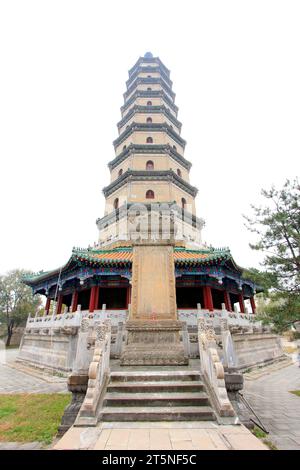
(149, 260)
(149, 169)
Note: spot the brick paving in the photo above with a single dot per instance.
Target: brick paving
(16, 381)
(13, 380)
(278, 409)
(21, 446)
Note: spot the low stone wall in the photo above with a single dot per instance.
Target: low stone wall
(55, 347)
(253, 349)
(250, 348)
(49, 351)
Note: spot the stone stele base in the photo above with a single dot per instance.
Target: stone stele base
(153, 343)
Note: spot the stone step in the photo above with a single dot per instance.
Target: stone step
(165, 386)
(143, 376)
(156, 399)
(177, 413)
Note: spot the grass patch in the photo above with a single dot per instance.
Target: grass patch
(31, 417)
(295, 392)
(260, 434)
(270, 444)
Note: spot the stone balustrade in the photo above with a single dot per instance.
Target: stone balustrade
(98, 374)
(191, 316)
(212, 367)
(73, 319)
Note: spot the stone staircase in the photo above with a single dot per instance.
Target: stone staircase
(156, 396)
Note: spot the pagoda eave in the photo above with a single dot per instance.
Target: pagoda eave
(148, 175)
(149, 95)
(145, 110)
(156, 149)
(145, 127)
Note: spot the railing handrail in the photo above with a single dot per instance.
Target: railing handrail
(98, 370)
(212, 368)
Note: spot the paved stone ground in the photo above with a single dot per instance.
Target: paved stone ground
(13, 380)
(21, 446)
(160, 436)
(278, 409)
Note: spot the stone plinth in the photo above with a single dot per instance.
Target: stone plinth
(153, 343)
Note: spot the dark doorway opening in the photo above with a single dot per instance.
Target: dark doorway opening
(234, 298)
(67, 300)
(218, 298)
(84, 299)
(189, 297)
(113, 298)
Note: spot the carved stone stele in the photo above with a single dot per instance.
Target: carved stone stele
(153, 282)
(153, 329)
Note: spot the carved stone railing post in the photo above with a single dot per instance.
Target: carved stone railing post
(104, 314)
(119, 339)
(28, 319)
(212, 368)
(78, 380)
(199, 311)
(230, 360)
(186, 339)
(98, 374)
(83, 354)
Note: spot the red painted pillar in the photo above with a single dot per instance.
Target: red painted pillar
(241, 302)
(96, 298)
(74, 301)
(208, 300)
(59, 304)
(253, 306)
(227, 301)
(92, 298)
(47, 307)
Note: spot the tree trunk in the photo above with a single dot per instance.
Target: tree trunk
(10, 327)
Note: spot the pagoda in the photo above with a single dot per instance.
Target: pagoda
(149, 265)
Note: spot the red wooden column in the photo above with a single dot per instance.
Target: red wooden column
(253, 306)
(241, 302)
(47, 307)
(59, 304)
(227, 301)
(74, 301)
(208, 300)
(96, 297)
(92, 298)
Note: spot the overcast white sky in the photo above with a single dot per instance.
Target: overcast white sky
(236, 72)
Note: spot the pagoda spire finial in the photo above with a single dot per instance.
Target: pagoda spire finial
(148, 55)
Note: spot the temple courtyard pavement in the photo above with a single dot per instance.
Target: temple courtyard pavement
(267, 390)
